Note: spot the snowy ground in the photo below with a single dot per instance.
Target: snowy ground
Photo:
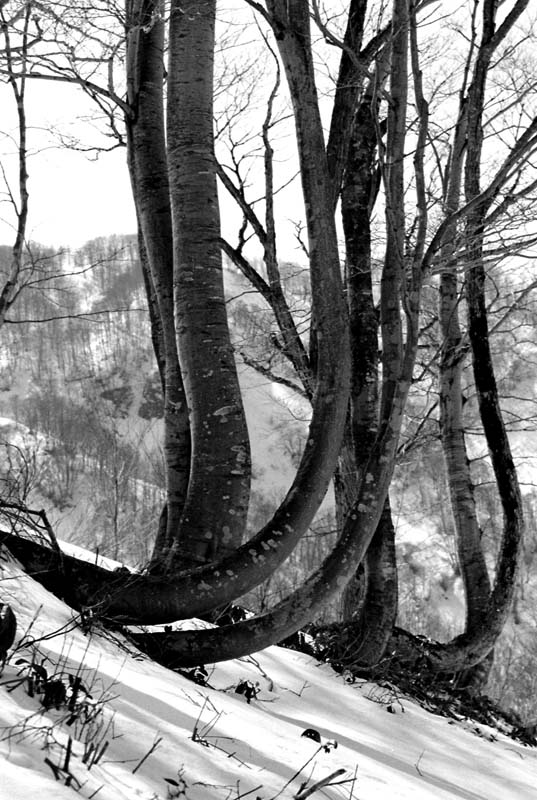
(150, 734)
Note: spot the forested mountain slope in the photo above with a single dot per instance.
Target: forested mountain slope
(81, 412)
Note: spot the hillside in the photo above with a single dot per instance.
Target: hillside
(81, 437)
(149, 733)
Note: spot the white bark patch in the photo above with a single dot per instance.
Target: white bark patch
(223, 411)
(242, 454)
(288, 528)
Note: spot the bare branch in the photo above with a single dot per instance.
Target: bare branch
(273, 377)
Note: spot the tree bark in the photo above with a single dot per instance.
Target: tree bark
(149, 178)
(473, 646)
(189, 648)
(194, 647)
(214, 515)
(375, 618)
(471, 558)
(371, 597)
(151, 598)
(348, 90)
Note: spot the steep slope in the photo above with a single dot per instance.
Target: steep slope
(150, 733)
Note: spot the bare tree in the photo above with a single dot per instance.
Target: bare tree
(413, 245)
(255, 560)
(16, 60)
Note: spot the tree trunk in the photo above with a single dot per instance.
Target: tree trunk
(347, 95)
(473, 646)
(17, 74)
(151, 598)
(375, 617)
(189, 648)
(149, 178)
(468, 533)
(195, 647)
(214, 516)
(377, 609)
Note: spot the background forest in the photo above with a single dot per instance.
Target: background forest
(182, 399)
(81, 425)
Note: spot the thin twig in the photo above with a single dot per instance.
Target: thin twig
(319, 785)
(151, 750)
(292, 778)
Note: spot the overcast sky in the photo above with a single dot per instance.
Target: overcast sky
(73, 196)
(76, 196)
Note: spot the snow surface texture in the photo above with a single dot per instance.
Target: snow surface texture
(158, 735)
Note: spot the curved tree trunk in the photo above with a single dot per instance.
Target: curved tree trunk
(149, 178)
(152, 598)
(189, 648)
(195, 647)
(473, 646)
(487, 610)
(468, 533)
(471, 558)
(214, 515)
(484, 376)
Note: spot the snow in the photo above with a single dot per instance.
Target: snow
(149, 714)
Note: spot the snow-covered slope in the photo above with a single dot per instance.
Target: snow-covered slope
(159, 735)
